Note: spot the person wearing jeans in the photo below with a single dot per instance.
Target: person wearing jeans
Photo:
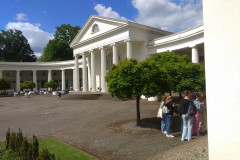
(164, 117)
(187, 121)
(169, 116)
(187, 127)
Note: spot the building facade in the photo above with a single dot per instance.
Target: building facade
(100, 43)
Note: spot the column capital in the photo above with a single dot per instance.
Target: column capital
(127, 40)
(193, 46)
(18, 70)
(49, 70)
(63, 69)
(103, 47)
(113, 44)
(76, 55)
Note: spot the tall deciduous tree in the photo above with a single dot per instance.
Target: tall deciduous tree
(58, 49)
(14, 47)
(130, 78)
(66, 32)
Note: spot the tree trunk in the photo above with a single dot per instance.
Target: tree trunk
(138, 110)
(180, 95)
(170, 93)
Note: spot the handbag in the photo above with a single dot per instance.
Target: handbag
(159, 114)
(165, 110)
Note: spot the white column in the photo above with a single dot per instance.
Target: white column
(103, 69)
(84, 73)
(89, 72)
(1, 73)
(49, 75)
(18, 81)
(63, 80)
(221, 44)
(73, 79)
(93, 76)
(35, 79)
(195, 56)
(129, 49)
(76, 73)
(115, 55)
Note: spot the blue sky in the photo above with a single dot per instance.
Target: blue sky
(38, 18)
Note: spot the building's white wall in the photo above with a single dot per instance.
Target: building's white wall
(221, 34)
(103, 27)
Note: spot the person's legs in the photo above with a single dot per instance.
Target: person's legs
(189, 127)
(184, 124)
(168, 124)
(195, 129)
(163, 123)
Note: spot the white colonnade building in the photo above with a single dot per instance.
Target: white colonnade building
(100, 43)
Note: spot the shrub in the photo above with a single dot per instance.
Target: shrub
(19, 145)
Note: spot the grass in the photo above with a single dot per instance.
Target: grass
(60, 149)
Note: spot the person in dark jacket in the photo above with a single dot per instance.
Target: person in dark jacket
(169, 116)
(187, 120)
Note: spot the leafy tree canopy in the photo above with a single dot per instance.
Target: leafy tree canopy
(51, 84)
(4, 84)
(66, 32)
(182, 73)
(14, 47)
(28, 85)
(58, 49)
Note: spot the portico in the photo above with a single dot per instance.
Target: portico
(100, 43)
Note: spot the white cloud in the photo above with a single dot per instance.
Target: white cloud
(36, 37)
(21, 17)
(107, 12)
(169, 15)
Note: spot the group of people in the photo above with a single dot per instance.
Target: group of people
(190, 124)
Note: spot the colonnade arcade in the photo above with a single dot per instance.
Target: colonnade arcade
(90, 65)
(39, 77)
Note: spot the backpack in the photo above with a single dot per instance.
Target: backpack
(192, 109)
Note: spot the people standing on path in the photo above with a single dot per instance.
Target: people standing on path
(187, 120)
(195, 130)
(163, 116)
(169, 116)
(203, 114)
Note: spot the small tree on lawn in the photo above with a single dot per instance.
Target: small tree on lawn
(4, 84)
(130, 78)
(51, 84)
(27, 85)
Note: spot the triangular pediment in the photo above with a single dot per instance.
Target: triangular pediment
(96, 25)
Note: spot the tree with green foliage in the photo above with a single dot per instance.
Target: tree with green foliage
(4, 84)
(181, 72)
(58, 49)
(27, 85)
(66, 32)
(14, 47)
(131, 78)
(51, 84)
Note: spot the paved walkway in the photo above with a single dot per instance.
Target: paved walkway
(96, 126)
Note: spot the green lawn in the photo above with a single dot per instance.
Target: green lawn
(60, 149)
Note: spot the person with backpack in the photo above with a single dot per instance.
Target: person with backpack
(186, 117)
(195, 130)
(163, 116)
(169, 116)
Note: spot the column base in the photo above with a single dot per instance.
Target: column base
(93, 91)
(84, 90)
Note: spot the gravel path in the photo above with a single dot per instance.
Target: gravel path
(99, 127)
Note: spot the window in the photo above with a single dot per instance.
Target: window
(95, 28)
